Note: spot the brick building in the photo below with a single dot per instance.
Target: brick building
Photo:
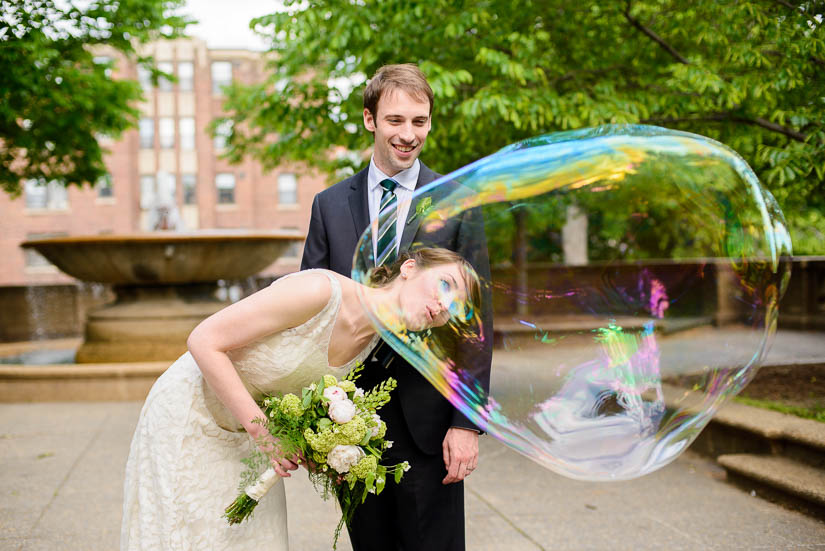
(171, 151)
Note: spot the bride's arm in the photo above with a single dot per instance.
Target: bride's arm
(285, 304)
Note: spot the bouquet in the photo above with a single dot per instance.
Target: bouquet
(334, 426)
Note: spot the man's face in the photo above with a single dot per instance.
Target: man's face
(400, 125)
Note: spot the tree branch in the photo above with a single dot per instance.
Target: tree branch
(656, 38)
(728, 117)
(797, 9)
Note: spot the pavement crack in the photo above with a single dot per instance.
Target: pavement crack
(493, 508)
(69, 472)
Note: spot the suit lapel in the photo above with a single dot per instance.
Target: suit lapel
(425, 176)
(359, 203)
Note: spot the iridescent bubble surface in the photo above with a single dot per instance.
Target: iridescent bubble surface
(635, 279)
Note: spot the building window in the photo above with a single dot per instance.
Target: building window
(222, 132)
(225, 182)
(42, 195)
(186, 74)
(144, 77)
(287, 189)
(167, 132)
(190, 184)
(147, 133)
(147, 191)
(164, 83)
(221, 76)
(186, 126)
(104, 186)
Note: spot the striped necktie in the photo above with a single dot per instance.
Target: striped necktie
(386, 231)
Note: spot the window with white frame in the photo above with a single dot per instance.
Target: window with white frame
(222, 131)
(42, 195)
(147, 191)
(221, 76)
(225, 183)
(186, 76)
(190, 185)
(147, 133)
(104, 186)
(287, 189)
(144, 77)
(165, 84)
(166, 127)
(186, 126)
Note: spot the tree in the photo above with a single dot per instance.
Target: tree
(55, 97)
(750, 74)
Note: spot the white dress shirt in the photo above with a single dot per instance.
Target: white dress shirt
(403, 191)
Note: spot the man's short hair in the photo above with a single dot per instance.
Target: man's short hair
(407, 77)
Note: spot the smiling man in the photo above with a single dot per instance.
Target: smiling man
(426, 510)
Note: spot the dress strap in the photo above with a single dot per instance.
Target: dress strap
(328, 313)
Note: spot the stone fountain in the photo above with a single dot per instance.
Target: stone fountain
(165, 283)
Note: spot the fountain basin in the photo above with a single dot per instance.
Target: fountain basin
(165, 284)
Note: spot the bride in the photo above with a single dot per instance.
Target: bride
(197, 422)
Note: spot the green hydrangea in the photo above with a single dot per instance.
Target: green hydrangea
(365, 467)
(321, 442)
(330, 380)
(291, 405)
(382, 430)
(353, 431)
(347, 386)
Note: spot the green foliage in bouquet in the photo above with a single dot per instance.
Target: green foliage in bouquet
(335, 427)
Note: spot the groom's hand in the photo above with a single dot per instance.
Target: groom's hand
(460, 448)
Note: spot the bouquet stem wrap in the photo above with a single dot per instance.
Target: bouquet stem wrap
(259, 489)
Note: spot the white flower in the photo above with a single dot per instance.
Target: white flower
(342, 458)
(342, 411)
(377, 420)
(334, 393)
(388, 444)
(359, 393)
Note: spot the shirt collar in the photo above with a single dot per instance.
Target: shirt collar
(406, 178)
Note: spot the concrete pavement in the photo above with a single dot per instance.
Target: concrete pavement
(61, 470)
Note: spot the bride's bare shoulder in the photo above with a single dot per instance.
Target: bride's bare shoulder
(310, 283)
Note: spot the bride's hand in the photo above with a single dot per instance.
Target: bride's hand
(277, 459)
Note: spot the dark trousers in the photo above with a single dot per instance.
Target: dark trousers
(420, 513)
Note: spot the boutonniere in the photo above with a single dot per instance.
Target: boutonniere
(422, 208)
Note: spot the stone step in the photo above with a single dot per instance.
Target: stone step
(778, 478)
(738, 428)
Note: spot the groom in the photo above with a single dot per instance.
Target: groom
(426, 510)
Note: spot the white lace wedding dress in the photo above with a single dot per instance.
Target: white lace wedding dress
(184, 464)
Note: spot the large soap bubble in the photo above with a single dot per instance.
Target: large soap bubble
(636, 273)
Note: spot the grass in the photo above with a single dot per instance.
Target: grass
(815, 413)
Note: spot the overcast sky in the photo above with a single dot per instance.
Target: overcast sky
(226, 24)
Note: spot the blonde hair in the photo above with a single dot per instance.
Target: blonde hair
(428, 257)
(407, 77)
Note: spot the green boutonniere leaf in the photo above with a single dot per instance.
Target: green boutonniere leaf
(422, 208)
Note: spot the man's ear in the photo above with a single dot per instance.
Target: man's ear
(369, 121)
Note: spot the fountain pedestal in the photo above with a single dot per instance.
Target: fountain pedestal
(146, 323)
(165, 283)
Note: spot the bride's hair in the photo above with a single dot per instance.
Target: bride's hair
(427, 257)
